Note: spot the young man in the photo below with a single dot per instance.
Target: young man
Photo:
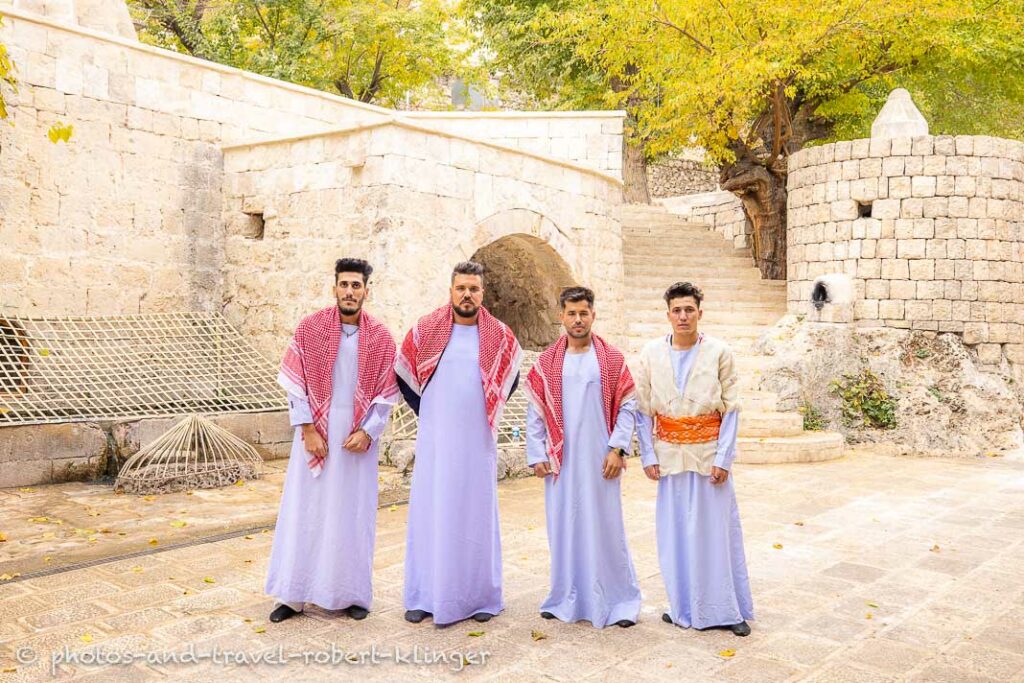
(457, 368)
(339, 374)
(689, 413)
(579, 424)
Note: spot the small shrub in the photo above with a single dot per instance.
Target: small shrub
(865, 400)
(814, 420)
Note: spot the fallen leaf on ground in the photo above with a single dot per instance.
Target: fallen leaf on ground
(47, 559)
(727, 653)
(798, 523)
(137, 569)
(538, 635)
(248, 538)
(8, 577)
(248, 621)
(178, 523)
(85, 637)
(153, 541)
(11, 670)
(149, 499)
(777, 546)
(207, 579)
(393, 508)
(871, 604)
(935, 548)
(2, 538)
(27, 489)
(39, 520)
(260, 629)
(869, 615)
(122, 533)
(240, 482)
(475, 634)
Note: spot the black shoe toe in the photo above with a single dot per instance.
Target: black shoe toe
(666, 618)
(547, 615)
(741, 629)
(282, 612)
(356, 612)
(624, 623)
(482, 617)
(415, 616)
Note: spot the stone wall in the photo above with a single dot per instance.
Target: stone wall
(412, 201)
(673, 177)
(132, 206)
(721, 210)
(592, 139)
(928, 228)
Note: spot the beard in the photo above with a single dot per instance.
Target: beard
(462, 312)
(349, 307)
(577, 333)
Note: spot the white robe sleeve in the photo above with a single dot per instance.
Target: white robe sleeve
(298, 410)
(536, 437)
(376, 419)
(622, 435)
(727, 434)
(645, 435)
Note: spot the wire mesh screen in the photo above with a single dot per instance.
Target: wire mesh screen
(512, 429)
(159, 365)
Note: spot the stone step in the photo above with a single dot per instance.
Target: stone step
(682, 258)
(702, 250)
(759, 401)
(730, 333)
(663, 276)
(769, 424)
(806, 447)
(712, 316)
(738, 304)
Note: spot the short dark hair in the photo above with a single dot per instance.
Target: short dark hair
(683, 289)
(353, 265)
(468, 268)
(576, 294)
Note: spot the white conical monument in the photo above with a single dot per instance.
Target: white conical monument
(899, 118)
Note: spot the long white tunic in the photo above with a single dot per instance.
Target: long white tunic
(592, 575)
(453, 551)
(324, 538)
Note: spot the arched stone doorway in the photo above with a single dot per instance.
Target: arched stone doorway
(523, 280)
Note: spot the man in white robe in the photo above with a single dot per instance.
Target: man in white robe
(580, 422)
(339, 374)
(689, 414)
(456, 368)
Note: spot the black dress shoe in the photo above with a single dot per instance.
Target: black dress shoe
(356, 612)
(741, 629)
(281, 613)
(415, 616)
(482, 617)
(624, 623)
(547, 615)
(666, 618)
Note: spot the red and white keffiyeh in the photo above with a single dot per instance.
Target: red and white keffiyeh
(544, 390)
(500, 356)
(308, 367)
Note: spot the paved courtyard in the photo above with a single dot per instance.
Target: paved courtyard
(869, 568)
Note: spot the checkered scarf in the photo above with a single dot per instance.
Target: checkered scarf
(544, 390)
(500, 356)
(308, 367)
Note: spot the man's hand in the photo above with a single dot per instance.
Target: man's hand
(313, 441)
(718, 475)
(357, 442)
(542, 469)
(653, 472)
(613, 464)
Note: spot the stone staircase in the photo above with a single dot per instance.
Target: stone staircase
(660, 248)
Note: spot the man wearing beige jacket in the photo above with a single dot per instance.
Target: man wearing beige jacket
(688, 392)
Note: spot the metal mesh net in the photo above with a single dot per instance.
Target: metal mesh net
(157, 365)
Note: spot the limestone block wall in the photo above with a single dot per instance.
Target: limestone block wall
(929, 228)
(673, 177)
(721, 210)
(591, 139)
(126, 217)
(413, 202)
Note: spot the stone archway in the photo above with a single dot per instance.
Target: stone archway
(524, 277)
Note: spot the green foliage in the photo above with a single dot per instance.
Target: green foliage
(370, 50)
(814, 420)
(865, 400)
(735, 76)
(6, 76)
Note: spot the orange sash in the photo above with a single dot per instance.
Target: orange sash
(688, 429)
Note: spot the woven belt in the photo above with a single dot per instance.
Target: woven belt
(689, 429)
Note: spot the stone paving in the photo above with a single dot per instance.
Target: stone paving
(867, 568)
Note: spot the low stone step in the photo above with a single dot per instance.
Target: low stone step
(806, 447)
(759, 401)
(682, 258)
(651, 275)
(701, 250)
(759, 424)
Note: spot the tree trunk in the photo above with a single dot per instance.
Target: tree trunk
(634, 173)
(763, 193)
